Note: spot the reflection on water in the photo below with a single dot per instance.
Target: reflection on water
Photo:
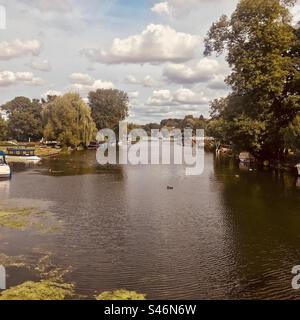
(229, 233)
(4, 187)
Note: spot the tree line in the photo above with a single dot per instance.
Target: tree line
(188, 122)
(66, 119)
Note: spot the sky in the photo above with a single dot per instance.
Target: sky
(152, 49)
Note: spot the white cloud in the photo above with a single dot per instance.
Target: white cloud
(130, 79)
(176, 8)
(180, 97)
(187, 96)
(148, 81)
(201, 71)
(148, 113)
(8, 78)
(81, 78)
(97, 84)
(83, 83)
(18, 48)
(133, 94)
(161, 8)
(160, 98)
(41, 65)
(156, 44)
(51, 93)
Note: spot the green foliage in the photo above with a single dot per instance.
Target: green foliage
(3, 129)
(108, 107)
(188, 122)
(263, 50)
(25, 120)
(42, 290)
(255, 37)
(218, 129)
(68, 119)
(193, 123)
(121, 295)
(292, 134)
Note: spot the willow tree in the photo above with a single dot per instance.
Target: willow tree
(68, 119)
(258, 39)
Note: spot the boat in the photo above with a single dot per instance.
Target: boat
(224, 150)
(94, 145)
(298, 169)
(246, 157)
(21, 154)
(5, 171)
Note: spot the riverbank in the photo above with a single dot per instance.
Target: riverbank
(288, 164)
(47, 152)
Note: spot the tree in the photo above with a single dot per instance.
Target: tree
(3, 129)
(68, 119)
(25, 120)
(109, 106)
(262, 50)
(292, 134)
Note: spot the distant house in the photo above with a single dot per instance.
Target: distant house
(3, 114)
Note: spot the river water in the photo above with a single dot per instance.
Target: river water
(229, 233)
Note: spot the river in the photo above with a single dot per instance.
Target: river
(230, 233)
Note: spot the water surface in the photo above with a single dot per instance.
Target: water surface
(229, 233)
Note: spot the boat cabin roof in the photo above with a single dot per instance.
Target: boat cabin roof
(21, 149)
(20, 152)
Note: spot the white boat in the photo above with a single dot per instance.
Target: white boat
(5, 171)
(21, 155)
(298, 168)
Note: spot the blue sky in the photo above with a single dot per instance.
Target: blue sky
(152, 49)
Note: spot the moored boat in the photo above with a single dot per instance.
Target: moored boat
(21, 154)
(224, 150)
(94, 145)
(246, 157)
(5, 171)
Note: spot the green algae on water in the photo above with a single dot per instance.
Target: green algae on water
(15, 218)
(51, 285)
(23, 219)
(121, 295)
(8, 261)
(41, 290)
